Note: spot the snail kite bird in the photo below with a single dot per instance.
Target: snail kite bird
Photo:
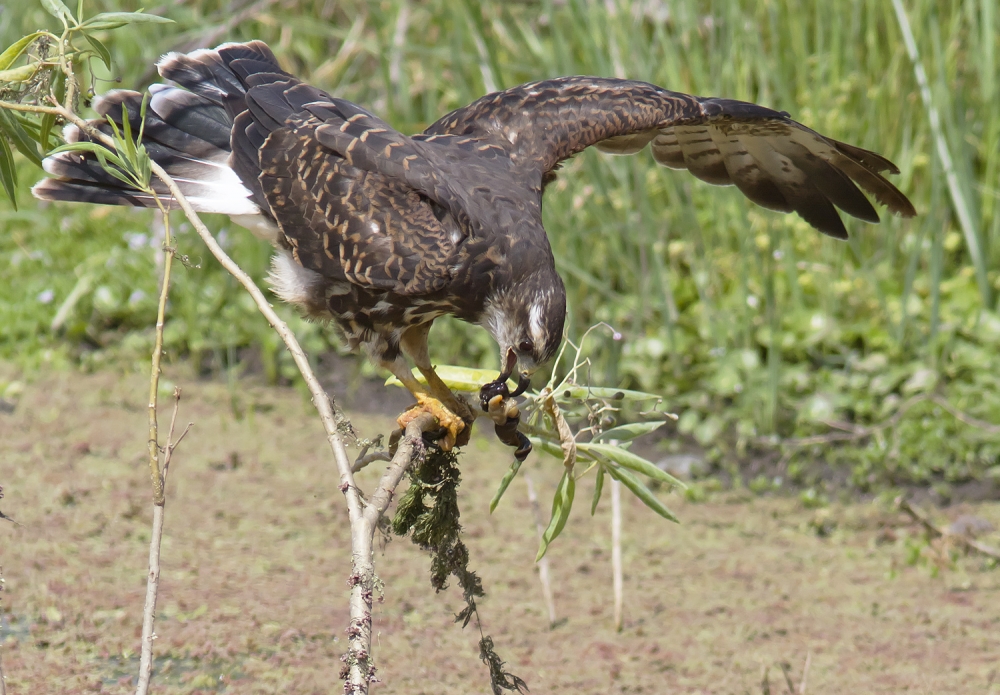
(384, 232)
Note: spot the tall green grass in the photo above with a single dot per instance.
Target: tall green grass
(750, 322)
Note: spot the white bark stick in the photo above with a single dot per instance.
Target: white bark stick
(361, 670)
(155, 540)
(3, 682)
(543, 564)
(616, 550)
(149, 608)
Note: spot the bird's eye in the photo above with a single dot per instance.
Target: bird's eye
(526, 346)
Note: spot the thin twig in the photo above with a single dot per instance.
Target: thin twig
(786, 671)
(156, 474)
(31, 108)
(153, 579)
(965, 417)
(543, 564)
(921, 518)
(616, 552)
(5, 517)
(171, 443)
(149, 607)
(805, 673)
(3, 680)
(153, 444)
(364, 459)
(765, 680)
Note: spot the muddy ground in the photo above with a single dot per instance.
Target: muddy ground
(255, 561)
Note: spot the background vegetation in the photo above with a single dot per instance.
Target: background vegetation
(877, 357)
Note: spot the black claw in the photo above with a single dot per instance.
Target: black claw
(507, 432)
(524, 449)
(491, 390)
(432, 436)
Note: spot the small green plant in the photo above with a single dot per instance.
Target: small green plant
(428, 513)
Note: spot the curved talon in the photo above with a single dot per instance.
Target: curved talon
(524, 449)
(452, 424)
(509, 435)
(496, 399)
(490, 391)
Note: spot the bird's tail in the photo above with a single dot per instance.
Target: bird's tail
(189, 130)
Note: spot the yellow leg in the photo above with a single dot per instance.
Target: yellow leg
(440, 390)
(414, 344)
(453, 424)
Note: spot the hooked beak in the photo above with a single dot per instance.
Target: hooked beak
(523, 379)
(523, 383)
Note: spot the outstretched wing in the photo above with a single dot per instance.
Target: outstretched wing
(775, 161)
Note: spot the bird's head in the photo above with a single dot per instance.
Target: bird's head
(526, 319)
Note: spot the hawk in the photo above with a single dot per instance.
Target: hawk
(383, 232)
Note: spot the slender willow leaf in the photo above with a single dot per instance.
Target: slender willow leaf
(548, 446)
(111, 162)
(562, 502)
(58, 10)
(92, 147)
(598, 489)
(126, 141)
(509, 476)
(15, 50)
(34, 130)
(624, 433)
(642, 492)
(8, 174)
(48, 120)
(22, 141)
(456, 378)
(21, 74)
(609, 394)
(100, 49)
(114, 20)
(632, 462)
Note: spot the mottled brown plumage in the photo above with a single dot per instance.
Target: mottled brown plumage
(383, 232)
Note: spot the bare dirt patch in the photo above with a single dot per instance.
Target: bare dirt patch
(255, 561)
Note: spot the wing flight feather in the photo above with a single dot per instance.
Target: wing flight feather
(775, 161)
